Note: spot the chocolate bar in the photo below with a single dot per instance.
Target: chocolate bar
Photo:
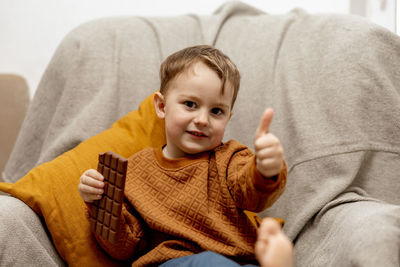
(106, 212)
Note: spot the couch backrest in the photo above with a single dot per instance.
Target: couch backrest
(14, 101)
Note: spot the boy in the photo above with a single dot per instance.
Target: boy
(188, 196)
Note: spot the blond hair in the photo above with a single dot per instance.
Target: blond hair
(217, 61)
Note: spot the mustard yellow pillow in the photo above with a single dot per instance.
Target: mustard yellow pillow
(51, 189)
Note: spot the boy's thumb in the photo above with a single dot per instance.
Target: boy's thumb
(266, 119)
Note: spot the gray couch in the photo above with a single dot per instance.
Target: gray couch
(333, 80)
(14, 101)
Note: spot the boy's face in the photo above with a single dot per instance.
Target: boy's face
(195, 112)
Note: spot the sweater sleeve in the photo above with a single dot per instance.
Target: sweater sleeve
(249, 189)
(130, 236)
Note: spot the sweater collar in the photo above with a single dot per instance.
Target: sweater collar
(179, 162)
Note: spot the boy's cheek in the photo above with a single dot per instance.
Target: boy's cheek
(219, 134)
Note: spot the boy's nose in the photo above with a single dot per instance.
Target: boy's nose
(201, 118)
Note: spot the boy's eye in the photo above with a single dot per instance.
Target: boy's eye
(217, 111)
(190, 104)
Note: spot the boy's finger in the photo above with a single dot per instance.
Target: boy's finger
(90, 181)
(90, 198)
(269, 152)
(265, 122)
(90, 190)
(266, 140)
(94, 174)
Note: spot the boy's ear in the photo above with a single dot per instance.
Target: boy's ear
(159, 104)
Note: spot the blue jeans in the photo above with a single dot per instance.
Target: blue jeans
(203, 259)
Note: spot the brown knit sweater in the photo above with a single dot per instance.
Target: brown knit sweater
(179, 207)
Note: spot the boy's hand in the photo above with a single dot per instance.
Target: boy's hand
(268, 149)
(91, 185)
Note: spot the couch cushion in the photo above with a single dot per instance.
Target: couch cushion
(51, 189)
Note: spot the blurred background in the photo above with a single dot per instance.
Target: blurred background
(31, 30)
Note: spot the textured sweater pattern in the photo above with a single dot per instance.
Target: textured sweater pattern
(178, 207)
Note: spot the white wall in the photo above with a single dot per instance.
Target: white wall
(397, 16)
(30, 30)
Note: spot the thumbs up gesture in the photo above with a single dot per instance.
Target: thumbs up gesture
(268, 149)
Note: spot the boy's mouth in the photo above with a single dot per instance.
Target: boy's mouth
(196, 133)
